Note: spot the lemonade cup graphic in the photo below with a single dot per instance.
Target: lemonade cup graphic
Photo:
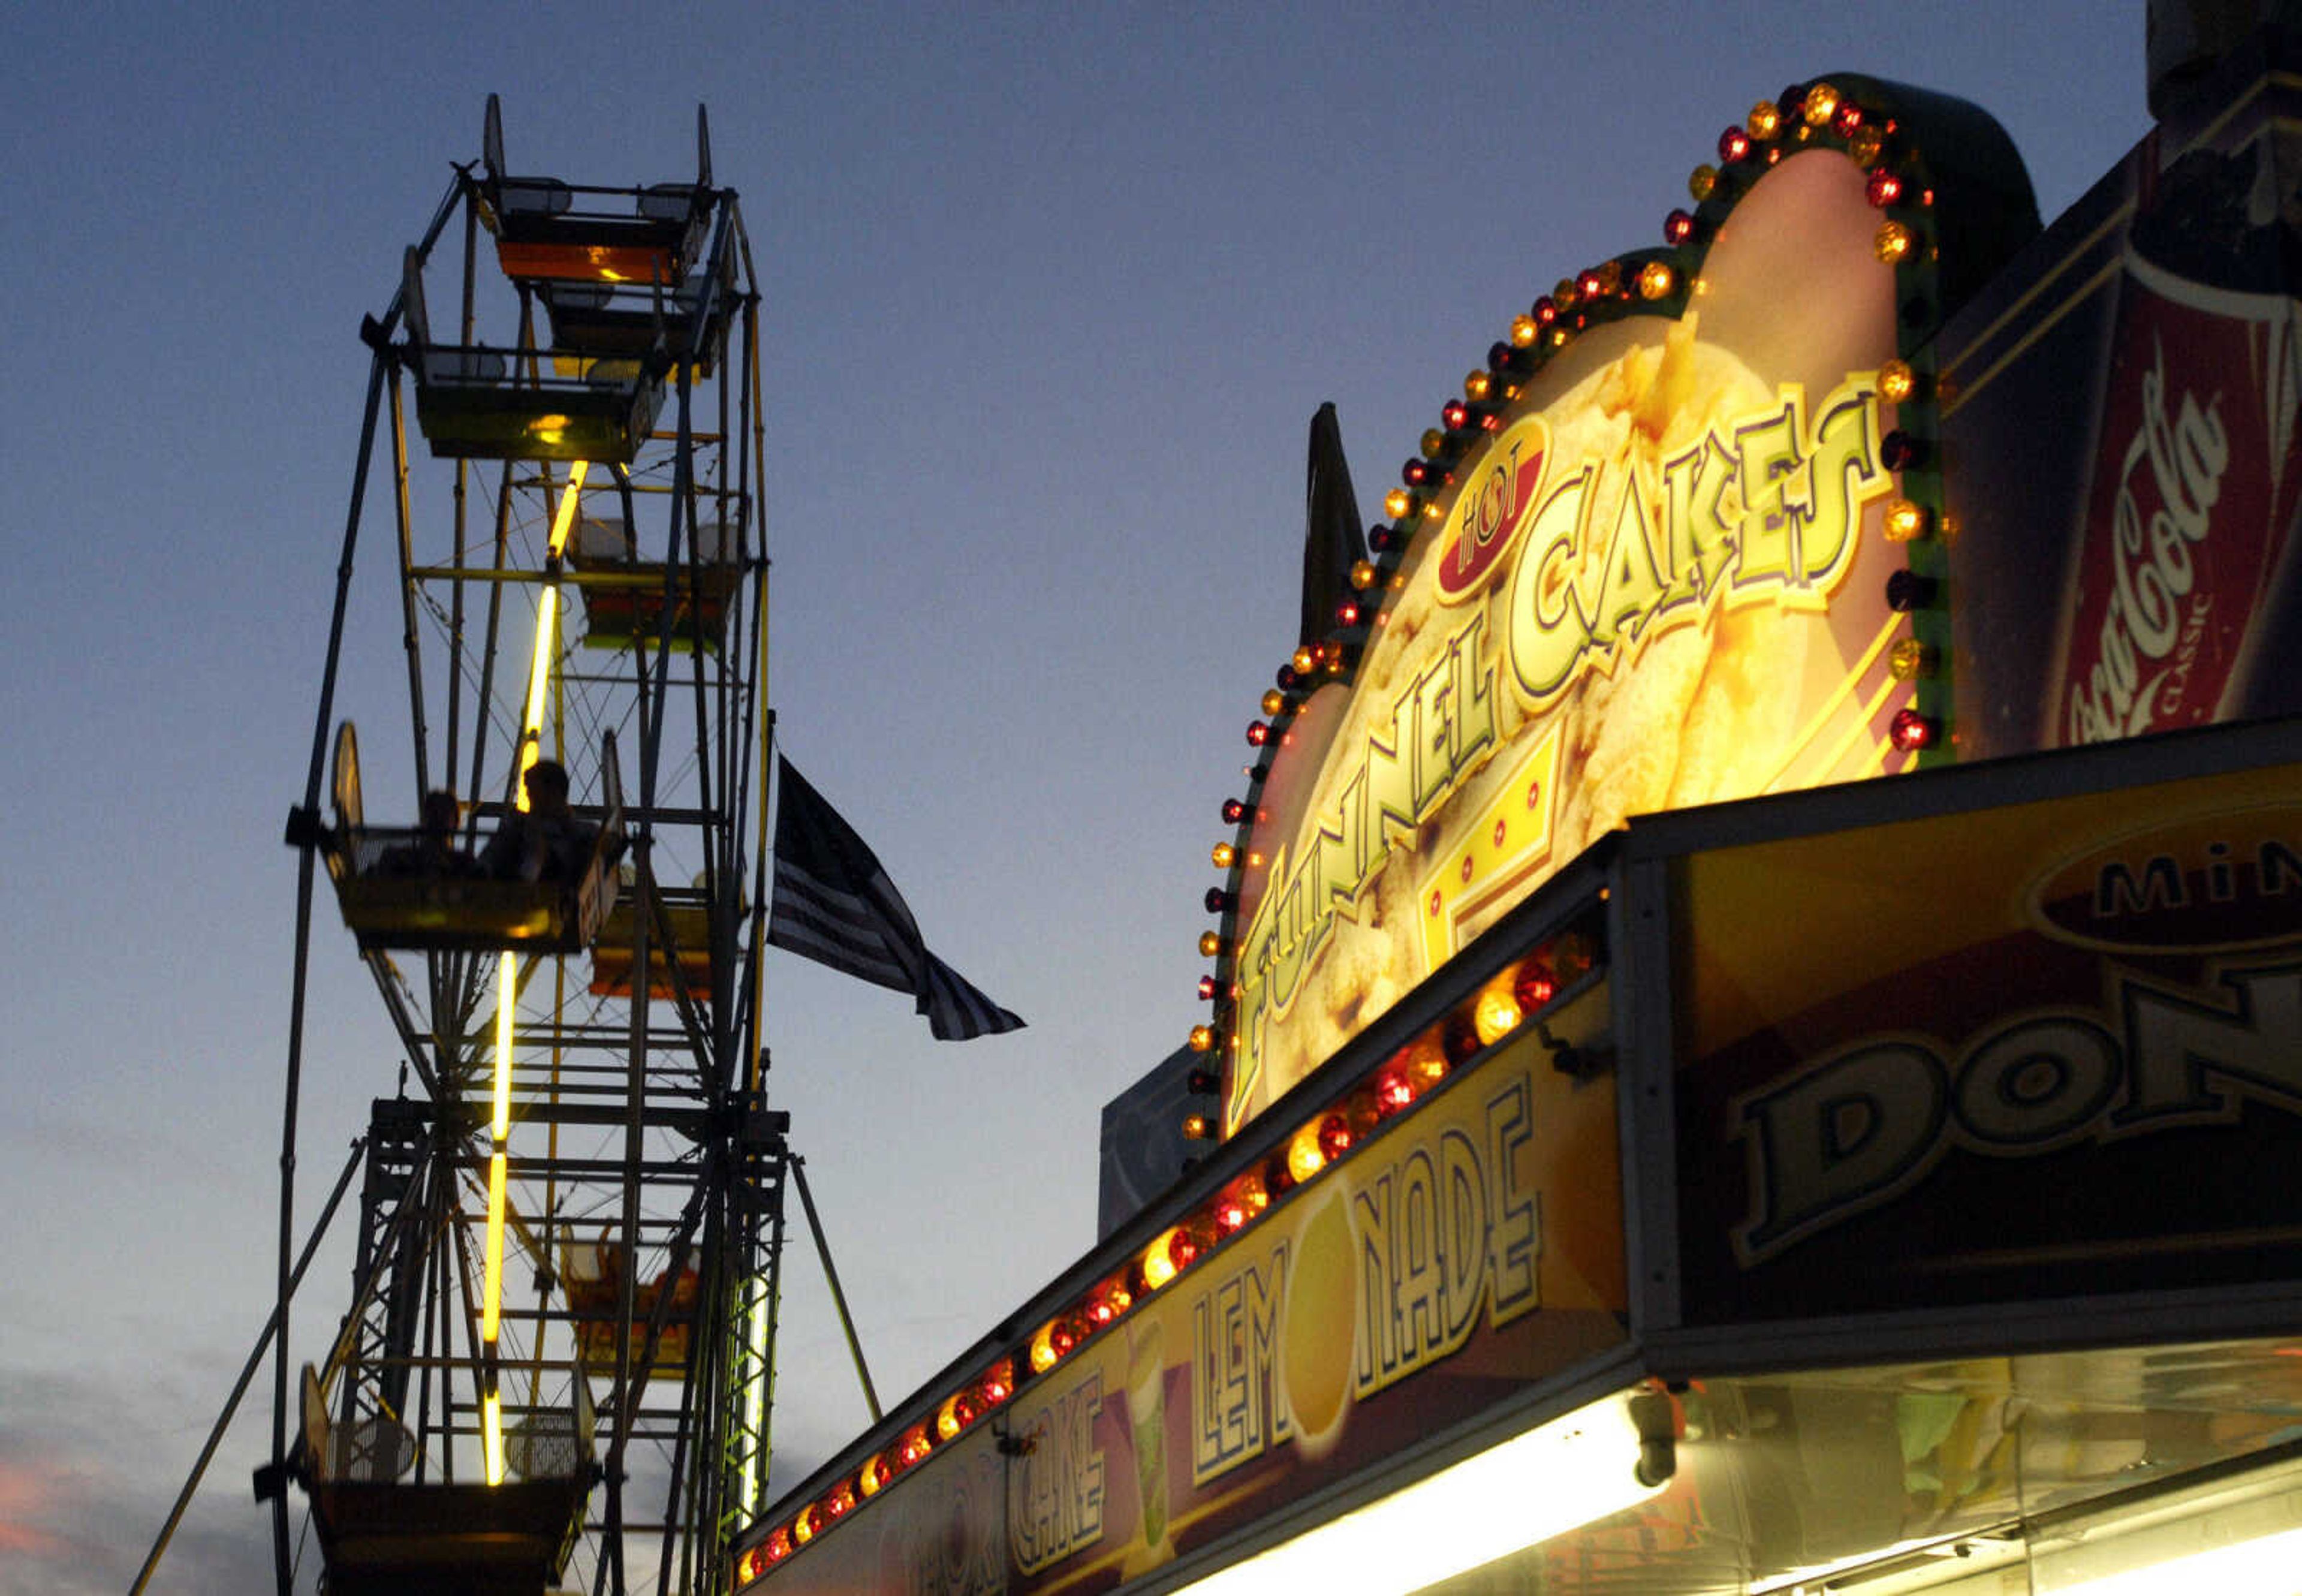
(1146, 1413)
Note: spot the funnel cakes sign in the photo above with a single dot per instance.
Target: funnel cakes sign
(1656, 576)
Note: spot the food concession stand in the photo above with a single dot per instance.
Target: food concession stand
(1755, 1029)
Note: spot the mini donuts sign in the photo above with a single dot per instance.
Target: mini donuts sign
(1657, 577)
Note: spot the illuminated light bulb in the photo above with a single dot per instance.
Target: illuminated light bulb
(803, 1527)
(1416, 473)
(1848, 120)
(1398, 504)
(1883, 187)
(1523, 330)
(1702, 182)
(1258, 732)
(1866, 146)
(840, 1500)
(1455, 414)
(1913, 659)
(1546, 311)
(1231, 1215)
(1347, 613)
(1913, 731)
(914, 1447)
(1304, 1156)
(1821, 104)
(998, 1384)
(1196, 1128)
(1733, 144)
(1656, 280)
(1907, 590)
(1432, 512)
(1897, 382)
(1766, 120)
(1558, 337)
(1590, 286)
(1206, 988)
(1223, 854)
(1677, 227)
(958, 1411)
(1425, 1060)
(1234, 811)
(1478, 385)
(1306, 660)
(1105, 1305)
(1906, 520)
(1210, 943)
(1562, 293)
(1394, 1089)
(1492, 422)
(1364, 575)
(1157, 1268)
(1183, 1247)
(1335, 1135)
(1534, 988)
(1203, 1038)
(1495, 1013)
(1893, 243)
(874, 1476)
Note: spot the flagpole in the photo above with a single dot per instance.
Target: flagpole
(764, 709)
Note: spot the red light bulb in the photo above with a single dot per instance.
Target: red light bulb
(1456, 414)
(1733, 144)
(1335, 1135)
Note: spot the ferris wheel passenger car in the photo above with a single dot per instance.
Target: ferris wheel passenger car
(440, 911)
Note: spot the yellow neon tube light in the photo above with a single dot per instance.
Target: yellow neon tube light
(491, 1289)
(492, 1436)
(1554, 1478)
(564, 521)
(755, 1396)
(506, 993)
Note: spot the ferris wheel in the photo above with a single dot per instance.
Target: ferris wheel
(554, 1367)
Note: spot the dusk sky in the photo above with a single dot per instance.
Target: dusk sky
(1052, 293)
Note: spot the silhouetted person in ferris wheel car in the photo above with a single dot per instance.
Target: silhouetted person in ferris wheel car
(433, 853)
(546, 842)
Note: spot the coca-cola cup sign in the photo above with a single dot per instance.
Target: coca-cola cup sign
(2190, 509)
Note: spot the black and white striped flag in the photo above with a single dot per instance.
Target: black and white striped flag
(834, 904)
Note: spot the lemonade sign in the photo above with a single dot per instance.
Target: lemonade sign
(1660, 583)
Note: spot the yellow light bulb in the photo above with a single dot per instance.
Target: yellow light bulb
(1897, 382)
(1477, 385)
(1364, 574)
(1158, 1268)
(1203, 1038)
(1656, 280)
(1701, 181)
(1398, 503)
(1911, 659)
(1523, 331)
(1893, 242)
(1210, 943)
(1304, 1156)
(1766, 120)
(1224, 852)
(1821, 104)
(1906, 520)
(1497, 1014)
(1866, 146)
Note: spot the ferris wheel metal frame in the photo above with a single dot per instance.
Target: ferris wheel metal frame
(570, 1235)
